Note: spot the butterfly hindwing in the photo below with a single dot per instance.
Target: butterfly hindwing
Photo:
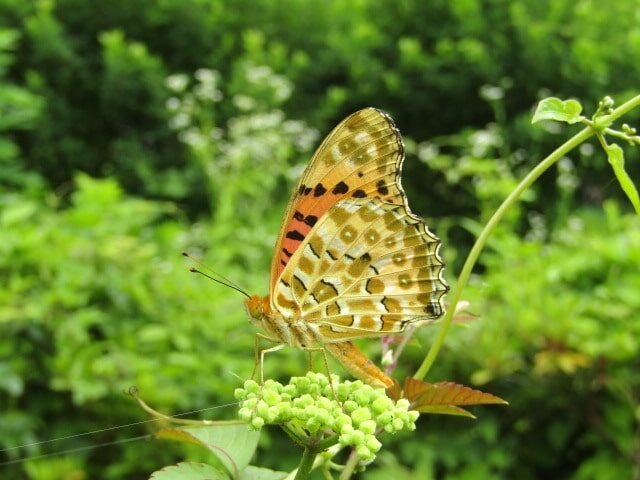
(360, 158)
(366, 268)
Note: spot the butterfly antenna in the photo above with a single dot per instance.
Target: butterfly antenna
(205, 267)
(225, 281)
(195, 270)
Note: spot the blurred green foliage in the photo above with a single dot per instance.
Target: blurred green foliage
(131, 130)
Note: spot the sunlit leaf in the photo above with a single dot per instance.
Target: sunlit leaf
(615, 156)
(232, 444)
(178, 435)
(189, 471)
(444, 397)
(255, 473)
(553, 108)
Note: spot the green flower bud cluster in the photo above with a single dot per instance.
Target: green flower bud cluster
(352, 410)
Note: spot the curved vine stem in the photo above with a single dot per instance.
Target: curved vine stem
(133, 391)
(488, 229)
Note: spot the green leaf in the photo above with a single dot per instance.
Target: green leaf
(256, 473)
(615, 156)
(232, 444)
(553, 108)
(189, 471)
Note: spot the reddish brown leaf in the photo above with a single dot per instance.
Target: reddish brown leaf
(445, 410)
(424, 397)
(395, 390)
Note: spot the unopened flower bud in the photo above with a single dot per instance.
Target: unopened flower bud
(368, 426)
(361, 414)
(257, 423)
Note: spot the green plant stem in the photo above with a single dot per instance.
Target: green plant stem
(322, 445)
(488, 229)
(349, 467)
(306, 463)
(293, 435)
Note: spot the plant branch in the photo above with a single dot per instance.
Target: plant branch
(350, 466)
(488, 229)
(327, 443)
(306, 463)
(293, 435)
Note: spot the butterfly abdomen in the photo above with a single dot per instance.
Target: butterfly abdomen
(358, 364)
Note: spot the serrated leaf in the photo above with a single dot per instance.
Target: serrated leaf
(444, 397)
(189, 471)
(232, 444)
(256, 473)
(615, 155)
(553, 108)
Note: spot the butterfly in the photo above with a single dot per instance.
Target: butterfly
(351, 260)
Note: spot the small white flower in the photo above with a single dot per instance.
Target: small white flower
(179, 121)
(172, 104)
(177, 82)
(206, 75)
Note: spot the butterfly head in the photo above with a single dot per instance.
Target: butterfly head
(257, 307)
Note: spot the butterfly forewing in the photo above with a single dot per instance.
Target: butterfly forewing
(361, 158)
(366, 268)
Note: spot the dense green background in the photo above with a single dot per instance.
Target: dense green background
(131, 130)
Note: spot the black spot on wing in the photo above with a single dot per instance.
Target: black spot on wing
(365, 257)
(295, 235)
(319, 190)
(287, 252)
(310, 220)
(433, 309)
(360, 174)
(304, 190)
(381, 186)
(359, 194)
(298, 215)
(340, 188)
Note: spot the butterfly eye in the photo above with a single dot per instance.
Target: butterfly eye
(254, 307)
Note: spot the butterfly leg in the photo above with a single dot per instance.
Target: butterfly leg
(326, 366)
(259, 354)
(310, 361)
(262, 354)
